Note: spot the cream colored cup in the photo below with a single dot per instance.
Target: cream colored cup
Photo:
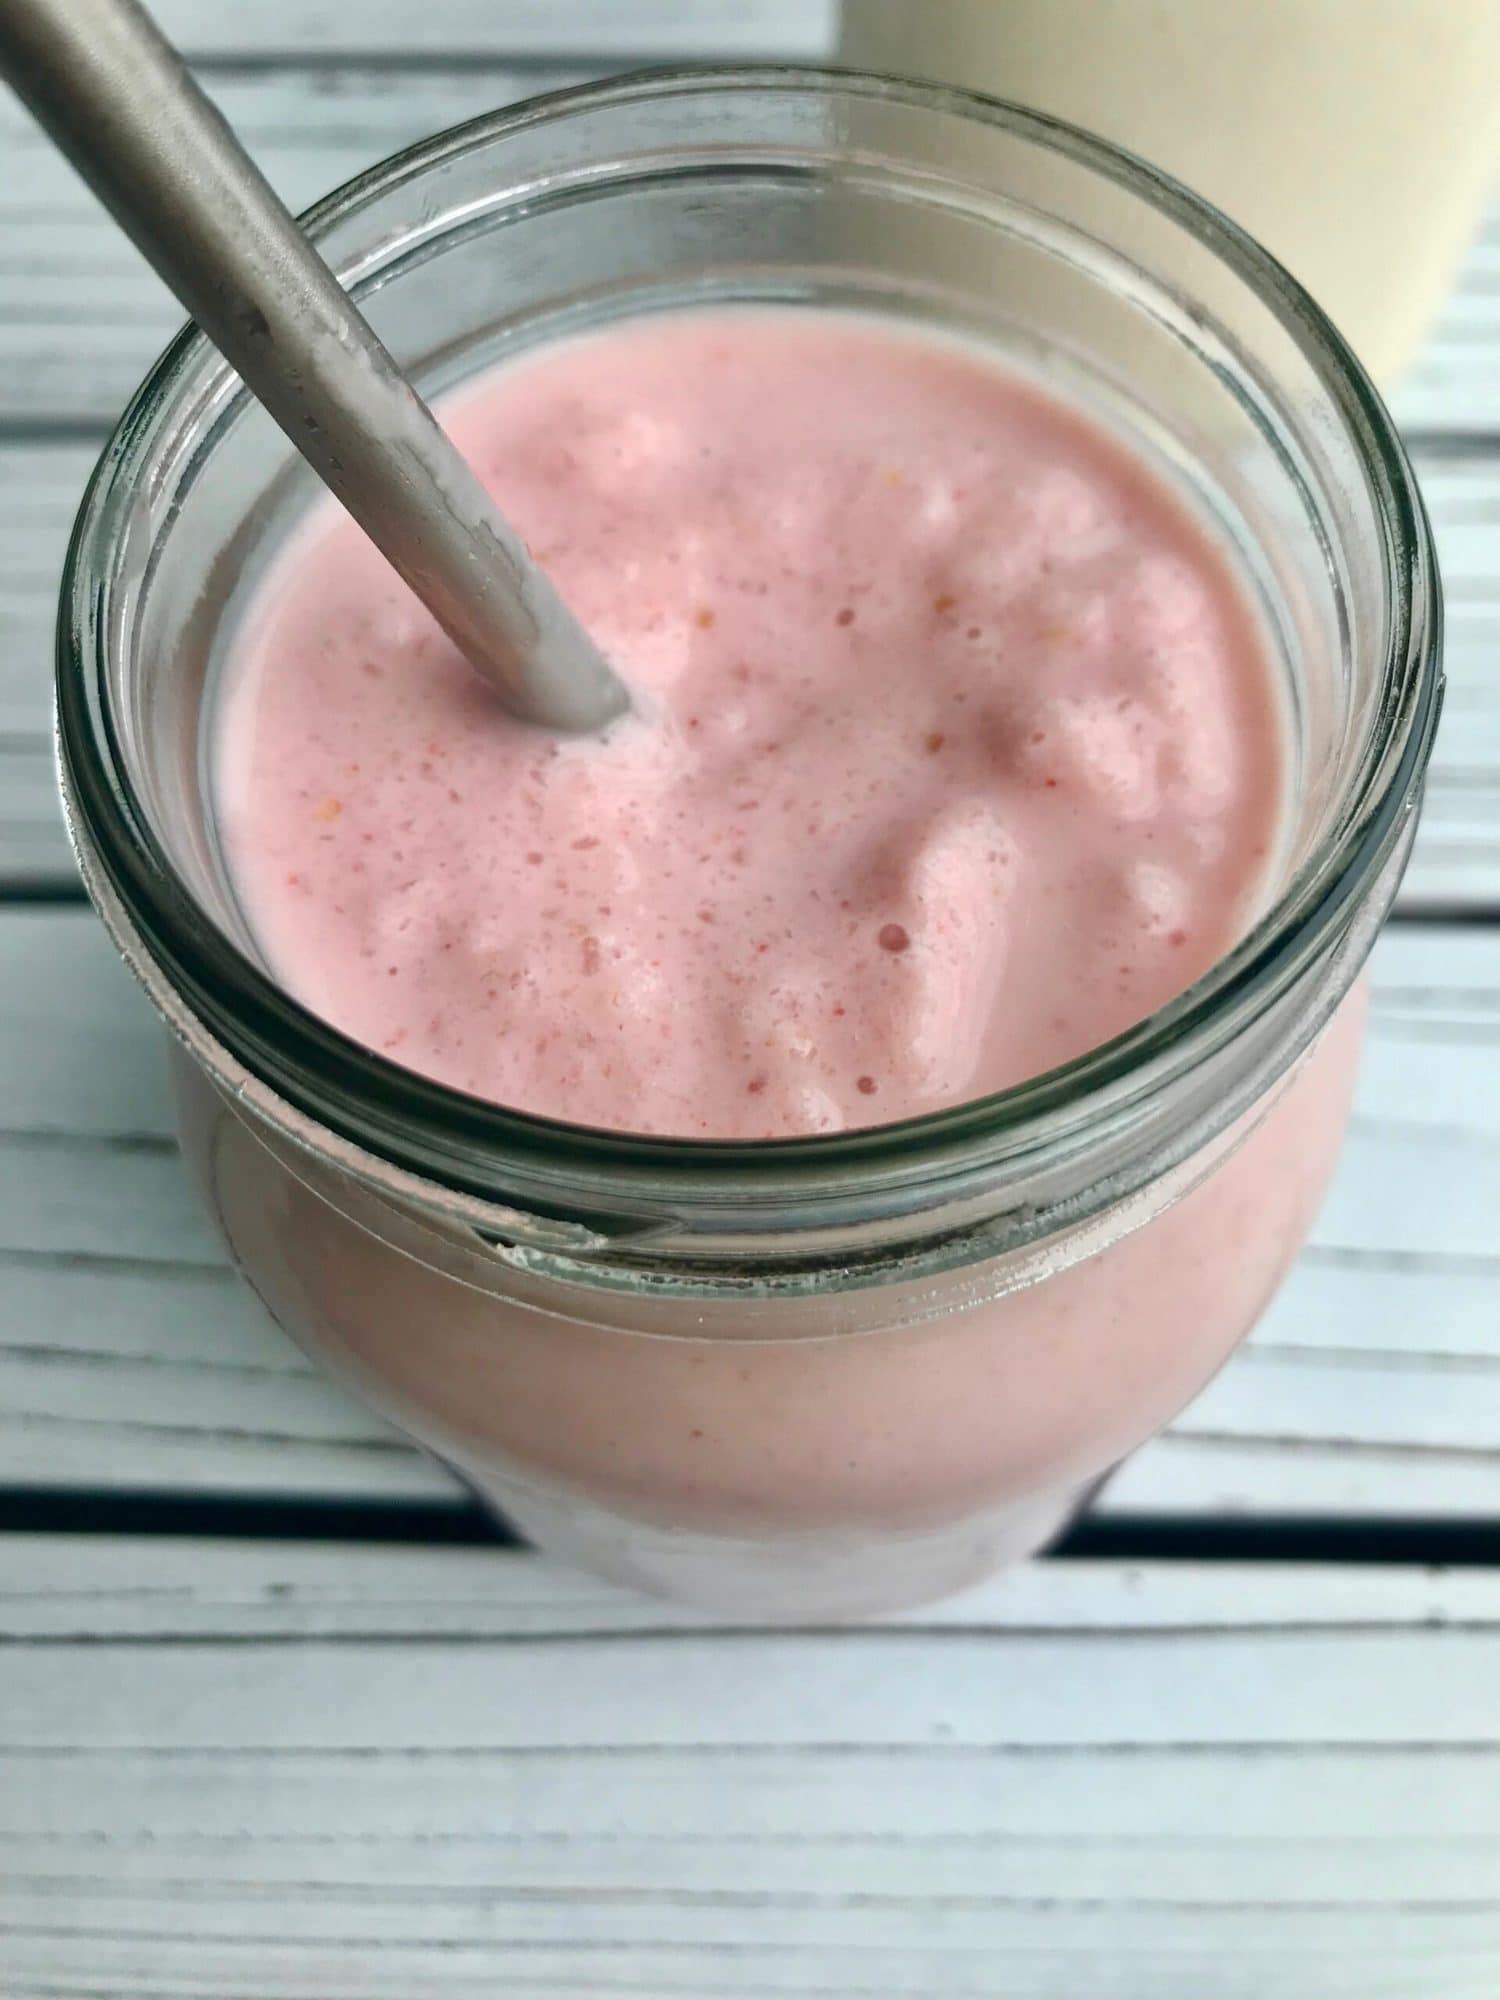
(1357, 139)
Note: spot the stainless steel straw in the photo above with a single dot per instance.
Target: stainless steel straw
(118, 100)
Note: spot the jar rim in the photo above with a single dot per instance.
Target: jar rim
(478, 1148)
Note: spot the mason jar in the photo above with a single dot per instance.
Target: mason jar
(823, 1377)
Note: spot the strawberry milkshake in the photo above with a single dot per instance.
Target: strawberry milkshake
(784, 1151)
(957, 749)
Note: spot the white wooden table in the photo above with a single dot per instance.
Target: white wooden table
(280, 1721)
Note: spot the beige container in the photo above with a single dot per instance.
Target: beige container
(1357, 139)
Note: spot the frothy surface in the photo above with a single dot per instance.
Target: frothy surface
(959, 752)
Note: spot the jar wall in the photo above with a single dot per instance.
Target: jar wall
(913, 1456)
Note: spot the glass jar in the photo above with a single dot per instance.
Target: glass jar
(823, 1377)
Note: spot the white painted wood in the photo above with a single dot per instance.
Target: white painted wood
(278, 1772)
(130, 1358)
(1454, 384)
(129, 1589)
(1458, 855)
(623, 30)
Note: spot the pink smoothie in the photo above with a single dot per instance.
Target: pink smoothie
(958, 747)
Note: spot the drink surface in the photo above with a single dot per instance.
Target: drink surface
(958, 746)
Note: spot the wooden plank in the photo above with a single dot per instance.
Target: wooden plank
(1458, 855)
(295, 1771)
(640, 31)
(1454, 384)
(131, 1358)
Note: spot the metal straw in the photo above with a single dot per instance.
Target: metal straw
(117, 99)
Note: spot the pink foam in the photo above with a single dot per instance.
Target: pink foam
(960, 749)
